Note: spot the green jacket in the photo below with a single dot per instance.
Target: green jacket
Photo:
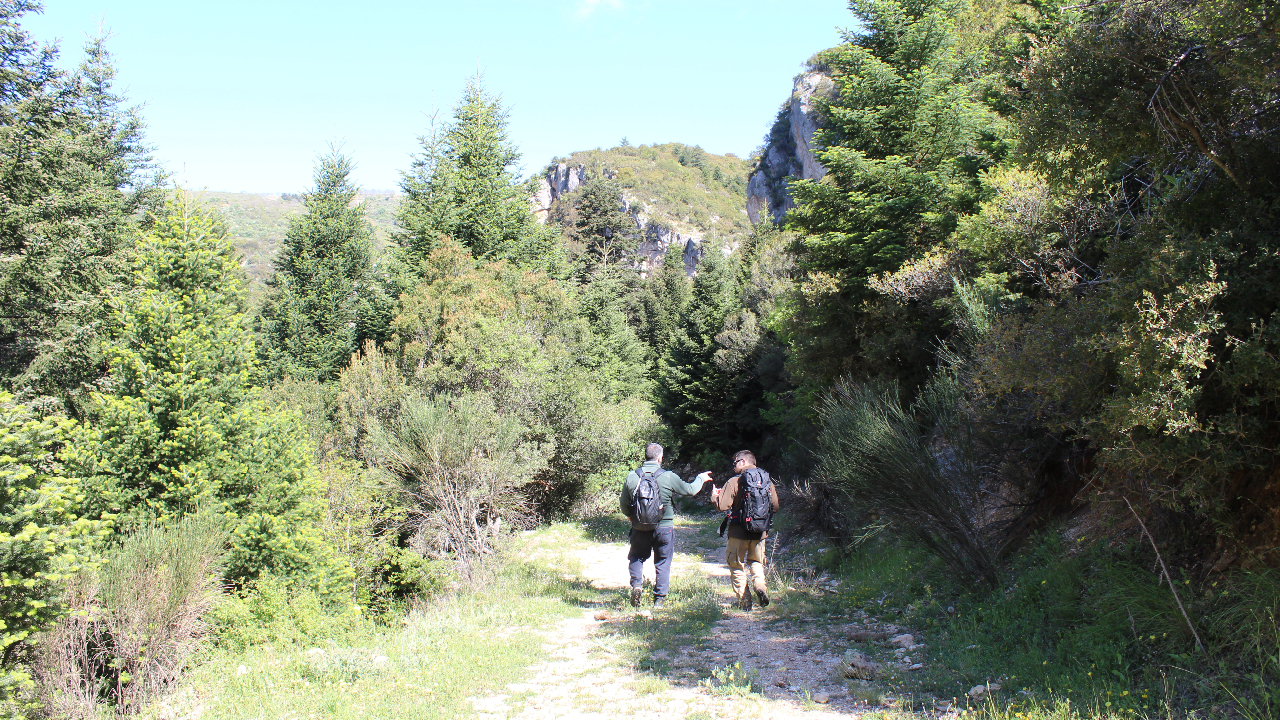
(669, 486)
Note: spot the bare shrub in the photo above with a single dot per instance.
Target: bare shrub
(460, 464)
(135, 622)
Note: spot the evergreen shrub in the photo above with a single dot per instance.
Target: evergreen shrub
(42, 539)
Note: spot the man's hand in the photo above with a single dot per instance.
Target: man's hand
(715, 494)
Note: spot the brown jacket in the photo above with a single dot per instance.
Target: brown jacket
(730, 499)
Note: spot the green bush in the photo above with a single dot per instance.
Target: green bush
(42, 541)
(275, 611)
(460, 464)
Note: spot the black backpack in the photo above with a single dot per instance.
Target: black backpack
(757, 509)
(647, 499)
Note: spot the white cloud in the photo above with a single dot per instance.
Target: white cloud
(586, 8)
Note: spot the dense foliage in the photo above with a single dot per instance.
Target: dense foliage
(1038, 273)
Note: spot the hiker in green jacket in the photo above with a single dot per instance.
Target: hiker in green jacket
(657, 538)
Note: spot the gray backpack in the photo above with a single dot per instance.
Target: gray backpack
(647, 500)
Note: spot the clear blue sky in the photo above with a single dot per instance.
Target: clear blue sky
(242, 95)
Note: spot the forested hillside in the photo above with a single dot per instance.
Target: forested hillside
(1010, 359)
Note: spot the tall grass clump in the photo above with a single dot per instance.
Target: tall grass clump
(918, 465)
(134, 622)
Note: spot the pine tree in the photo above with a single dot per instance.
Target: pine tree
(463, 185)
(179, 428)
(312, 319)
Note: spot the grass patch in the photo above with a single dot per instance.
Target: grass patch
(1089, 629)
(606, 529)
(651, 685)
(468, 645)
(654, 643)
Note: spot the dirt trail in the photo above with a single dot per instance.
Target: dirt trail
(582, 676)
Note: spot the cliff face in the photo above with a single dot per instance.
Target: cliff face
(679, 197)
(558, 180)
(789, 151)
(657, 240)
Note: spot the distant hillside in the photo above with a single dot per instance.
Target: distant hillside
(258, 223)
(678, 194)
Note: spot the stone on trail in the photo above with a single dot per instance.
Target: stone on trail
(857, 666)
(602, 615)
(822, 698)
(979, 690)
(905, 640)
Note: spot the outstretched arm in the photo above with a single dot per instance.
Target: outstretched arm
(693, 486)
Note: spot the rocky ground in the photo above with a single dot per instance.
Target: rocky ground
(756, 664)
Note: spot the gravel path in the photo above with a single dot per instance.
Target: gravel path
(582, 674)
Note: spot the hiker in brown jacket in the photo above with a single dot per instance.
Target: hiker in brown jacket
(745, 549)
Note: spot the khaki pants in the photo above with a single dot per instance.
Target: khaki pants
(746, 564)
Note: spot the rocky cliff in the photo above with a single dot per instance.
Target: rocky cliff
(657, 240)
(789, 150)
(681, 198)
(556, 181)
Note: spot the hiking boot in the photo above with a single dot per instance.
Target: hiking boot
(763, 598)
(635, 597)
(745, 603)
(658, 603)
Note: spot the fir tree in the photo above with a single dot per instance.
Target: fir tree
(463, 185)
(662, 302)
(618, 359)
(907, 136)
(77, 172)
(179, 428)
(323, 289)
(696, 394)
(605, 231)
(41, 538)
